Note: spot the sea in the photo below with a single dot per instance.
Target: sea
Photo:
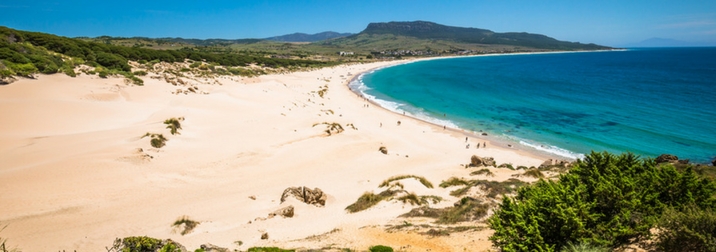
(648, 101)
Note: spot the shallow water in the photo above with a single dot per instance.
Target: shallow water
(647, 101)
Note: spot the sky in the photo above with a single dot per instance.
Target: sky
(606, 22)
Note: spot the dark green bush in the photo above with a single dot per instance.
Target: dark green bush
(380, 248)
(693, 229)
(604, 200)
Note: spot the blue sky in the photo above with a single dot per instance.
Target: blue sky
(605, 22)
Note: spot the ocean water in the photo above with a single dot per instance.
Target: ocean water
(646, 101)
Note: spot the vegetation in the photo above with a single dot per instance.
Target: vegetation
(383, 150)
(422, 180)
(492, 188)
(535, 173)
(394, 188)
(173, 124)
(692, 229)
(605, 200)
(483, 171)
(3, 245)
(144, 244)
(380, 248)
(158, 140)
(185, 224)
(269, 249)
(26, 53)
(331, 128)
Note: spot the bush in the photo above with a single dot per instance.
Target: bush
(604, 200)
(140, 73)
(380, 248)
(269, 249)
(173, 125)
(693, 229)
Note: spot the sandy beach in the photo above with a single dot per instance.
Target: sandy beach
(76, 173)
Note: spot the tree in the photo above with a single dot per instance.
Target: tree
(605, 200)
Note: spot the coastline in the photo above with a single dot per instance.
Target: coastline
(506, 144)
(77, 185)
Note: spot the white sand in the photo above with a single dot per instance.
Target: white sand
(71, 177)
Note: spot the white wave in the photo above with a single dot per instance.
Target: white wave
(553, 150)
(357, 85)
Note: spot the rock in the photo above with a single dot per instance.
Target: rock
(666, 158)
(313, 197)
(286, 212)
(713, 162)
(264, 236)
(476, 161)
(7, 80)
(212, 248)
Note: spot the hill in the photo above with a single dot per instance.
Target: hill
(303, 37)
(430, 31)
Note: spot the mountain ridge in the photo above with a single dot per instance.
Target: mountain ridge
(431, 30)
(304, 37)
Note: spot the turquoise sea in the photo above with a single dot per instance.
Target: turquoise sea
(646, 101)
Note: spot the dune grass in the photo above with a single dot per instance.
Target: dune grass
(368, 200)
(535, 173)
(483, 171)
(3, 243)
(187, 225)
(331, 128)
(492, 188)
(422, 180)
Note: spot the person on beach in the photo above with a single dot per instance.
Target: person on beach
(466, 139)
(484, 144)
(444, 128)
(381, 125)
(398, 123)
(467, 146)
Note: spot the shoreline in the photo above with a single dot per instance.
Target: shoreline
(505, 144)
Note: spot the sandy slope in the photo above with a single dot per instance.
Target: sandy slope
(72, 177)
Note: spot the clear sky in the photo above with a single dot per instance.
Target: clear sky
(605, 22)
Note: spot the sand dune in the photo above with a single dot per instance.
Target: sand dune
(76, 172)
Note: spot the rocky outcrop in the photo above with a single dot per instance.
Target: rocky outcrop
(304, 194)
(213, 248)
(286, 212)
(476, 161)
(713, 162)
(6, 80)
(550, 163)
(666, 158)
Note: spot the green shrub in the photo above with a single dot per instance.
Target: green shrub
(25, 70)
(141, 244)
(380, 248)
(140, 73)
(158, 140)
(173, 124)
(69, 71)
(604, 200)
(269, 249)
(692, 229)
(365, 201)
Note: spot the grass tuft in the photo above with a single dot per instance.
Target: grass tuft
(483, 171)
(173, 124)
(533, 173)
(187, 224)
(422, 180)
